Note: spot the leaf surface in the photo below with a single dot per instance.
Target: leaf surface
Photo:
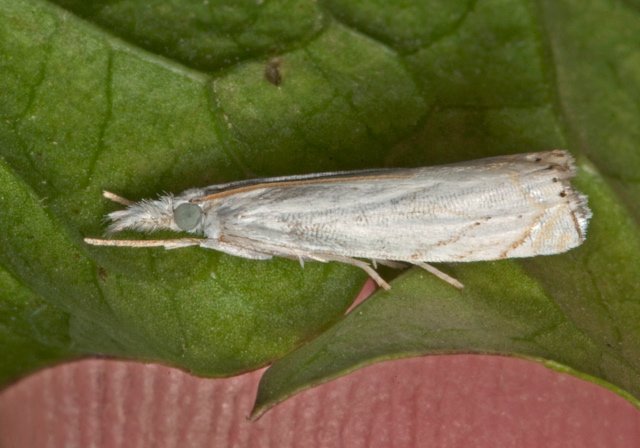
(143, 97)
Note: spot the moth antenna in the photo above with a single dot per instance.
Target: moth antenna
(115, 198)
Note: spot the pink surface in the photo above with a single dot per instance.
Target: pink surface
(439, 401)
(445, 401)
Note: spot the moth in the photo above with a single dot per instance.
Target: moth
(509, 206)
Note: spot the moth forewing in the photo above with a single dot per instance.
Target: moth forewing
(503, 207)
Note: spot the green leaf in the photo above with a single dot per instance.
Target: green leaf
(139, 97)
(84, 111)
(557, 74)
(567, 312)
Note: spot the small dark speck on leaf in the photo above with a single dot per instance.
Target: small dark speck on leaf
(102, 273)
(272, 71)
(563, 194)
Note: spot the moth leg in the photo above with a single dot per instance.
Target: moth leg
(115, 198)
(167, 244)
(441, 275)
(352, 261)
(234, 250)
(289, 253)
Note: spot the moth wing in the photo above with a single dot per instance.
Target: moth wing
(511, 206)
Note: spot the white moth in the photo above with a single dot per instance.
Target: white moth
(511, 206)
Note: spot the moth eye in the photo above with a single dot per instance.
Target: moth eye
(187, 216)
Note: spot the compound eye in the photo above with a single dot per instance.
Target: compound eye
(187, 216)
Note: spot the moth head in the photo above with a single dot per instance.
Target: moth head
(166, 212)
